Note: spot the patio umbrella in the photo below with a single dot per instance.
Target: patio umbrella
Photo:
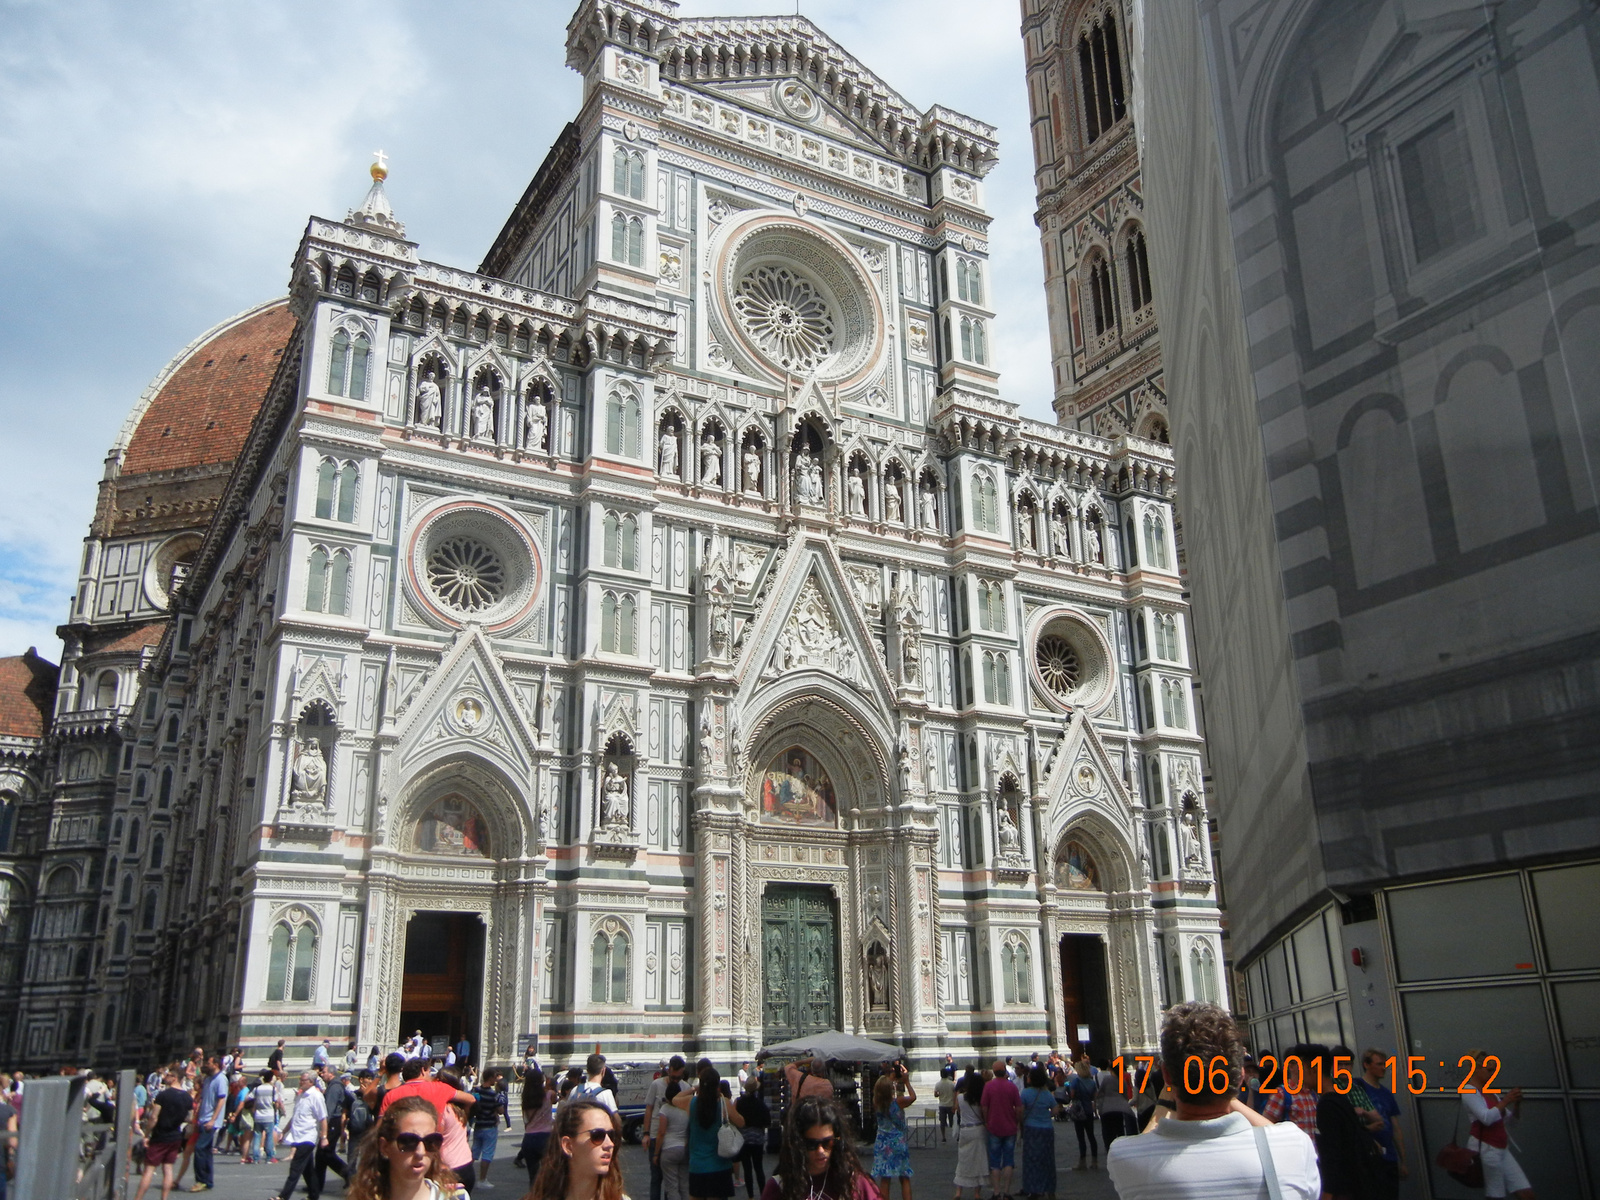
(833, 1046)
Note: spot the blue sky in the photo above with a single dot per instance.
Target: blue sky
(161, 159)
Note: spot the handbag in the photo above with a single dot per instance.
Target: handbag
(730, 1140)
(1463, 1165)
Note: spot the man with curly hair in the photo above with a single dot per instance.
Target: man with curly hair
(1213, 1147)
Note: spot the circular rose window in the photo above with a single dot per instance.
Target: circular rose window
(794, 300)
(785, 315)
(468, 560)
(1071, 661)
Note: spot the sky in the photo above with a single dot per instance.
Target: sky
(162, 158)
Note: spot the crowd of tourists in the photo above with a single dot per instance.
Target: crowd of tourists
(1199, 1119)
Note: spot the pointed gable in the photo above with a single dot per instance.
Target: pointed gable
(468, 705)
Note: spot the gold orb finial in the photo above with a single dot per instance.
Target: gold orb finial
(380, 168)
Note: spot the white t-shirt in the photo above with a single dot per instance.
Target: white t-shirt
(309, 1109)
(1212, 1160)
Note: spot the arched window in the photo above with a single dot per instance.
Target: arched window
(627, 240)
(622, 423)
(347, 492)
(158, 848)
(327, 484)
(63, 881)
(133, 837)
(1016, 969)
(164, 797)
(985, 502)
(1163, 851)
(147, 917)
(625, 624)
(291, 961)
(317, 581)
(1100, 76)
(609, 952)
(1141, 644)
(347, 364)
(1203, 973)
(328, 582)
(125, 896)
(8, 818)
(617, 614)
(988, 678)
(1180, 704)
(105, 691)
(1101, 297)
(1138, 262)
(974, 344)
(969, 280)
(621, 539)
(172, 730)
(1002, 678)
(628, 173)
(1155, 540)
(336, 490)
(608, 622)
(1147, 712)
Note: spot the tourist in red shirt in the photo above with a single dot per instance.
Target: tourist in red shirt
(457, 1151)
(1002, 1114)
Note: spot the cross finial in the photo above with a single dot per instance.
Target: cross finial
(380, 168)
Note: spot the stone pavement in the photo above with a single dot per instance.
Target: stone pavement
(934, 1167)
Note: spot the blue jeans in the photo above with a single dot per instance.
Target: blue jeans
(1002, 1151)
(203, 1143)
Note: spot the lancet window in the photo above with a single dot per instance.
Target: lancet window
(336, 490)
(347, 364)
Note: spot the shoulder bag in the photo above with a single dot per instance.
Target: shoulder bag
(730, 1139)
(1461, 1164)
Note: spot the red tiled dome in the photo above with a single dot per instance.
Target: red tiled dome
(27, 693)
(202, 410)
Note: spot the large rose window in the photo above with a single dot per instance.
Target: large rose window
(468, 560)
(465, 574)
(1058, 665)
(1071, 661)
(786, 316)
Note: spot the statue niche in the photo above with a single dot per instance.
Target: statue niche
(614, 801)
(308, 758)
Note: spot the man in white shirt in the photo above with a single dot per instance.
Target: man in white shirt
(319, 1056)
(308, 1129)
(1212, 1147)
(594, 1088)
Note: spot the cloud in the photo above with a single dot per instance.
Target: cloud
(162, 159)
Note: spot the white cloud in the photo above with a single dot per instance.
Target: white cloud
(162, 158)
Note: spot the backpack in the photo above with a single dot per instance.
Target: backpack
(360, 1118)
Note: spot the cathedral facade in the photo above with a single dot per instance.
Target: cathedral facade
(664, 636)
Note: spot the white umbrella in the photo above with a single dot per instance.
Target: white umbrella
(833, 1046)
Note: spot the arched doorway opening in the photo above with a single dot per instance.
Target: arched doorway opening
(441, 990)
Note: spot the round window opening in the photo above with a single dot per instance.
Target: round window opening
(786, 316)
(1058, 665)
(466, 575)
(1071, 662)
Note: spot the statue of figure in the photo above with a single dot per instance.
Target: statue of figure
(535, 424)
(308, 778)
(856, 490)
(614, 799)
(892, 511)
(710, 462)
(877, 978)
(1091, 542)
(910, 659)
(430, 405)
(930, 509)
(1060, 535)
(807, 478)
(483, 416)
(721, 629)
(1025, 527)
(752, 471)
(668, 462)
(930, 765)
(707, 742)
(814, 474)
(1189, 830)
(1010, 840)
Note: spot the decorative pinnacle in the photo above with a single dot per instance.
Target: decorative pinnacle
(380, 168)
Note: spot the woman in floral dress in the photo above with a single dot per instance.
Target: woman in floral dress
(891, 1155)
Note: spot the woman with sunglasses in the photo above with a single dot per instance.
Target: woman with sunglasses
(400, 1159)
(581, 1162)
(817, 1161)
(710, 1175)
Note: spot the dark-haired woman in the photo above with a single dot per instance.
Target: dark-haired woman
(1038, 1135)
(671, 1144)
(581, 1161)
(972, 1139)
(538, 1118)
(400, 1159)
(817, 1161)
(891, 1152)
(710, 1175)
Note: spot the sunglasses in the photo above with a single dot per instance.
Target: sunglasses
(598, 1135)
(431, 1142)
(819, 1143)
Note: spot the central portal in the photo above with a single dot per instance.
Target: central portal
(800, 962)
(442, 990)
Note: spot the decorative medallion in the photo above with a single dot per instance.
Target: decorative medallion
(796, 99)
(469, 714)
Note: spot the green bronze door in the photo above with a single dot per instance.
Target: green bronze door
(800, 965)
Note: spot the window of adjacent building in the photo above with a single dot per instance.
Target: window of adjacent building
(133, 837)
(628, 173)
(974, 341)
(328, 581)
(617, 614)
(969, 280)
(147, 918)
(1016, 969)
(1440, 193)
(1138, 264)
(291, 963)
(336, 490)
(1100, 296)
(1100, 76)
(609, 967)
(621, 536)
(627, 239)
(164, 796)
(347, 364)
(622, 423)
(158, 849)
